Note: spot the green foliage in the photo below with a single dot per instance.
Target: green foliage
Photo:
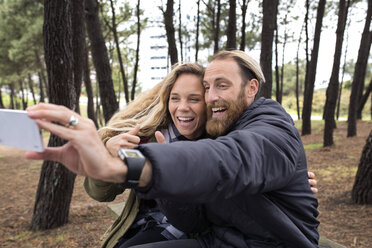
(313, 146)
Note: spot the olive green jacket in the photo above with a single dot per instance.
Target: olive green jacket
(104, 192)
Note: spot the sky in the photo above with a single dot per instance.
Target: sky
(327, 42)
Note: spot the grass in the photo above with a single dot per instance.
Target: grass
(313, 146)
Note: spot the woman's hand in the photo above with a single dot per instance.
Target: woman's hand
(313, 182)
(84, 152)
(124, 140)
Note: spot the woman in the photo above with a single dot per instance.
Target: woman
(176, 107)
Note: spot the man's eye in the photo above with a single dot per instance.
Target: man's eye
(222, 86)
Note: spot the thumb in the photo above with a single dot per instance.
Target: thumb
(159, 137)
(135, 130)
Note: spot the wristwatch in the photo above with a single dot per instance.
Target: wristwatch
(135, 162)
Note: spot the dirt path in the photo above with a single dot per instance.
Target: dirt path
(342, 221)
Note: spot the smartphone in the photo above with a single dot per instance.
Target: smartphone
(20, 131)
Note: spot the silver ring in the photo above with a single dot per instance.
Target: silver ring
(73, 121)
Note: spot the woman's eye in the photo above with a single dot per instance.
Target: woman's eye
(195, 99)
(174, 98)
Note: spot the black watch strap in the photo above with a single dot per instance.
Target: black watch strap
(135, 166)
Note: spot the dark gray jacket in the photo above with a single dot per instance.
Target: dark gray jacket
(252, 182)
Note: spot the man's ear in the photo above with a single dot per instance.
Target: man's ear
(251, 88)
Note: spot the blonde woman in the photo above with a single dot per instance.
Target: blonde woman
(176, 107)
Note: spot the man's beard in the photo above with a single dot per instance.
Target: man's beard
(220, 126)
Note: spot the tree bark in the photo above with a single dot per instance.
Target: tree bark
(359, 74)
(56, 182)
(41, 88)
(31, 86)
(332, 90)
(217, 27)
(78, 40)
(311, 72)
(100, 60)
(1, 100)
(197, 32)
(270, 10)
(231, 27)
(364, 98)
(116, 39)
(277, 81)
(362, 189)
(244, 13)
(134, 84)
(169, 28)
(180, 29)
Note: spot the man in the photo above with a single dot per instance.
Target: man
(251, 180)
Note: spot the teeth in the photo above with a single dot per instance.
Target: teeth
(185, 118)
(218, 109)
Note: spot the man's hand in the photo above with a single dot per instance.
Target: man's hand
(313, 182)
(84, 152)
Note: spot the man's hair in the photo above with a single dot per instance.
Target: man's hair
(150, 109)
(249, 67)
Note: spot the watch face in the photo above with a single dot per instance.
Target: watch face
(130, 153)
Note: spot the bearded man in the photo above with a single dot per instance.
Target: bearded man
(248, 186)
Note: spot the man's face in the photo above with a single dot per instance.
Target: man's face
(225, 97)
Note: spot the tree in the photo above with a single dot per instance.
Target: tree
(332, 90)
(244, 13)
(270, 9)
(217, 27)
(100, 60)
(364, 98)
(359, 73)
(78, 43)
(311, 72)
(180, 28)
(197, 31)
(231, 27)
(56, 182)
(138, 13)
(170, 31)
(362, 189)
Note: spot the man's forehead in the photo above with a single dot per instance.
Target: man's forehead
(220, 67)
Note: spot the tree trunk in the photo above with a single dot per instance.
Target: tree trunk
(362, 189)
(359, 74)
(270, 10)
(24, 102)
(31, 86)
(298, 76)
(180, 29)
(88, 87)
(1, 100)
(41, 88)
(134, 84)
(116, 39)
(100, 60)
(364, 98)
(244, 13)
(12, 96)
(41, 74)
(311, 72)
(56, 182)
(332, 90)
(169, 28)
(217, 27)
(231, 27)
(78, 41)
(197, 32)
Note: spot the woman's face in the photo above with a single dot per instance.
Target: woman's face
(187, 106)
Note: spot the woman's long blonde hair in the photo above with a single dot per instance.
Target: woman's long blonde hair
(150, 109)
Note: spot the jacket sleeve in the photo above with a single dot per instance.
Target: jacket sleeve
(100, 190)
(189, 218)
(244, 161)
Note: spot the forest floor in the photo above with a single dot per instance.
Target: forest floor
(335, 167)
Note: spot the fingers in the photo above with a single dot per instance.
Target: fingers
(48, 154)
(135, 130)
(314, 190)
(311, 175)
(159, 137)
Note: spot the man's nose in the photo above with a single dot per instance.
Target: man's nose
(211, 96)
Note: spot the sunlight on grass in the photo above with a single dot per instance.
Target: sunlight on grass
(336, 172)
(2, 156)
(313, 146)
(61, 237)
